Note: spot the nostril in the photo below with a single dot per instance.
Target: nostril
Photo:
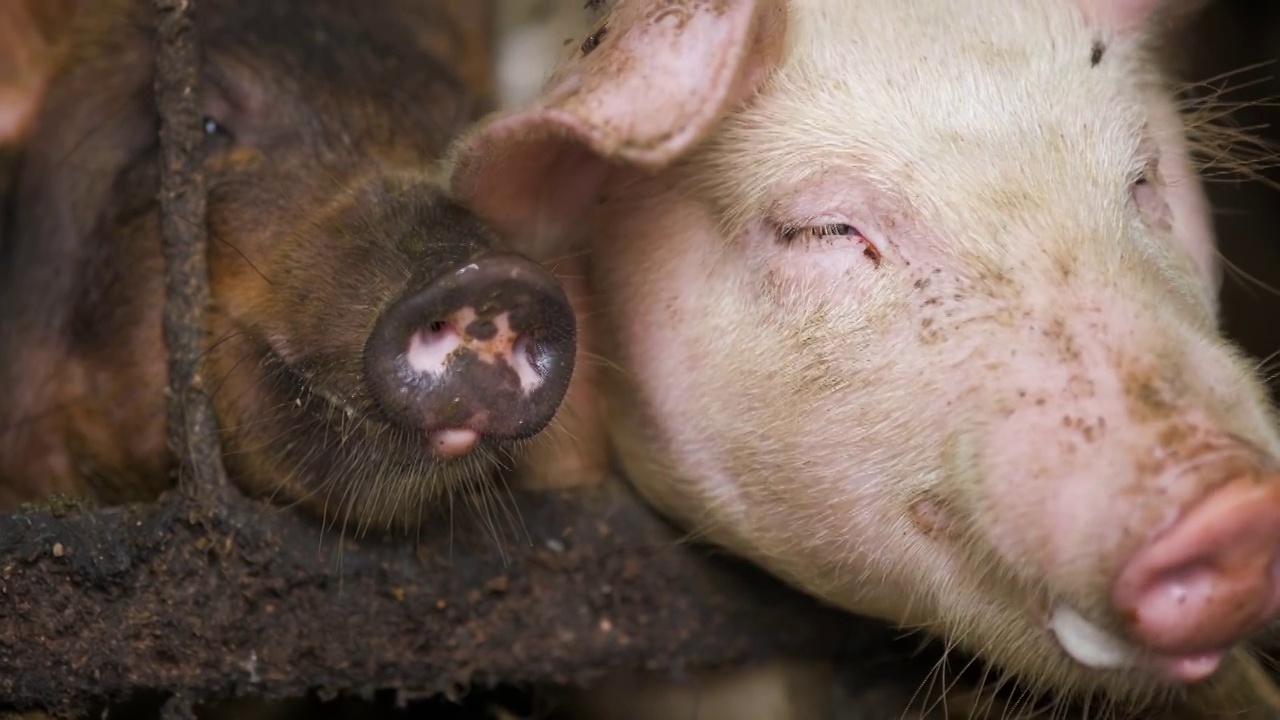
(430, 347)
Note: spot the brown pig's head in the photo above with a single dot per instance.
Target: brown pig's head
(369, 344)
(913, 302)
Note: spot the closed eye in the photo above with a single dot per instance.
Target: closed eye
(792, 235)
(817, 232)
(1147, 194)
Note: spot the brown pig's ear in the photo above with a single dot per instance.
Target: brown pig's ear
(30, 31)
(648, 82)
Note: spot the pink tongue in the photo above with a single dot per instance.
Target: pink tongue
(454, 442)
(1189, 668)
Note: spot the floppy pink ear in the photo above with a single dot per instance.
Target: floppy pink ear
(1124, 16)
(29, 32)
(649, 81)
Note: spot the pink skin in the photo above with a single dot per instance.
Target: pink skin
(993, 415)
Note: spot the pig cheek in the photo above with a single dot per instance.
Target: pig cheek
(236, 249)
(679, 356)
(239, 284)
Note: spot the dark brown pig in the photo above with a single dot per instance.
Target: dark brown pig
(370, 345)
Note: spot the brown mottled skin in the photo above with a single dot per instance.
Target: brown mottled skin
(327, 117)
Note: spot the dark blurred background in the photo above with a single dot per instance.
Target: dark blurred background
(1232, 52)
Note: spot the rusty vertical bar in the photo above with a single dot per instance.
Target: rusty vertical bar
(192, 427)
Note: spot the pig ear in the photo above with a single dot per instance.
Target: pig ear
(648, 82)
(29, 33)
(1124, 16)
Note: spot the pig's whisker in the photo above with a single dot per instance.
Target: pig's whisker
(1241, 276)
(566, 257)
(925, 687)
(1022, 700)
(598, 360)
(937, 680)
(228, 335)
(986, 702)
(1222, 151)
(512, 509)
(1268, 363)
(1266, 659)
(1191, 94)
(218, 237)
(344, 504)
(218, 387)
(989, 691)
(950, 688)
(1215, 144)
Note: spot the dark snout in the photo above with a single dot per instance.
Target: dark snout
(485, 349)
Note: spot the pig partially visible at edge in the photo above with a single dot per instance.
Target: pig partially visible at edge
(914, 303)
(370, 345)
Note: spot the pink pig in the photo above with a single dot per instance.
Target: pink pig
(912, 303)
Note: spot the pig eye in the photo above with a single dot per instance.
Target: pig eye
(791, 234)
(214, 130)
(1150, 201)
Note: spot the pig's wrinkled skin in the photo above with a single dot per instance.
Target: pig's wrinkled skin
(913, 302)
(369, 347)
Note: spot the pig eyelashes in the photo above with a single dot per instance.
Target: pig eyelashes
(788, 234)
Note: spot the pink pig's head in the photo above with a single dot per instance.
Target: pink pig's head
(913, 302)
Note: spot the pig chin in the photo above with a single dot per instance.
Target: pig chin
(1134, 505)
(299, 441)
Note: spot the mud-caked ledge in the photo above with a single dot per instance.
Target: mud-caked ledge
(98, 604)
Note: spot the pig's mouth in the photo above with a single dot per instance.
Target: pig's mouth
(442, 444)
(316, 404)
(1199, 587)
(1094, 647)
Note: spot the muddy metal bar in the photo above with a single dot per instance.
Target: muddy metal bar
(192, 425)
(97, 606)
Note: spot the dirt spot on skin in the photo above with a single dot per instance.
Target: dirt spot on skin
(1181, 444)
(1090, 430)
(1064, 341)
(1145, 399)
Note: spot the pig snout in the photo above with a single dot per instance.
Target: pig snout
(1210, 580)
(483, 349)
